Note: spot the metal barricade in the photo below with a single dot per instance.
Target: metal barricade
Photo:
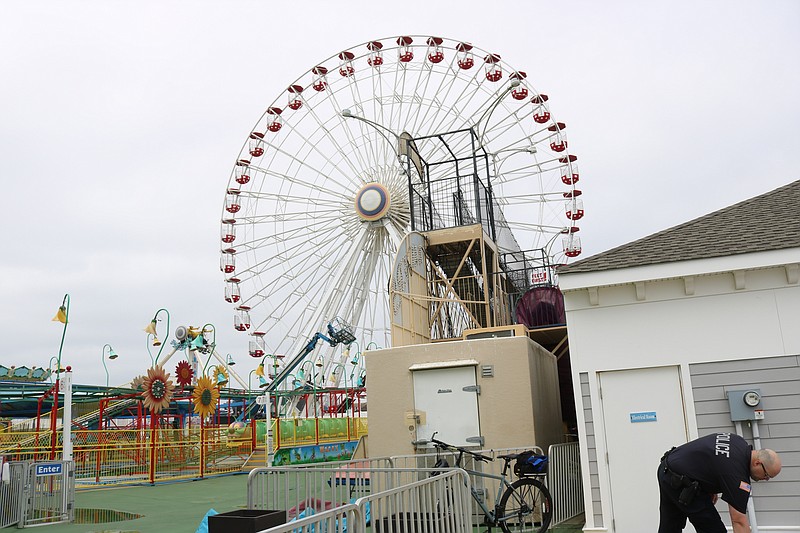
(261, 482)
(564, 481)
(344, 519)
(437, 504)
(12, 484)
(384, 495)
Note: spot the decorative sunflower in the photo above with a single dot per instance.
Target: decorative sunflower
(157, 389)
(137, 383)
(184, 374)
(220, 370)
(205, 397)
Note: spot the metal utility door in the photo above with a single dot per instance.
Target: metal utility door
(447, 400)
(643, 417)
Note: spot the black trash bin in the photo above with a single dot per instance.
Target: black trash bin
(245, 521)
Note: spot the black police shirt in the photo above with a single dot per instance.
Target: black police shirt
(720, 462)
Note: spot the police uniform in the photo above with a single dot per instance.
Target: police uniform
(689, 475)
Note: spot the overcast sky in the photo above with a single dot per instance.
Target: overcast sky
(120, 123)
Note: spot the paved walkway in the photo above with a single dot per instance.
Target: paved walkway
(176, 507)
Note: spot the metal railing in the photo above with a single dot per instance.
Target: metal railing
(387, 499)
(438, 504)
(125, 456)
(152, 455)
(344, 519)
(322, 487)
(564, 481)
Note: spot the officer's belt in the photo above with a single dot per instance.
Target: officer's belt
(677, 480)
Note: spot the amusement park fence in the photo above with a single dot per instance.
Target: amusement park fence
(157, 454)
(333, 484)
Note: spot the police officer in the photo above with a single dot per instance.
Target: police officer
(691, 477)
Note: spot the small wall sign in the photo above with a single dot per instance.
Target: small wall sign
(646, 416)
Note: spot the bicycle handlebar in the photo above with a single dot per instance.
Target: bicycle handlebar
(478, 456)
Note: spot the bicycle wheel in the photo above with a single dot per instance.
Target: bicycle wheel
(526, 506)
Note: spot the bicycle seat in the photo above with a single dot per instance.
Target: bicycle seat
(508, 457)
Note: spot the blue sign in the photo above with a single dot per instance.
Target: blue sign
(648, 416)
(49, 470)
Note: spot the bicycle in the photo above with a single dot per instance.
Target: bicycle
(521, 506)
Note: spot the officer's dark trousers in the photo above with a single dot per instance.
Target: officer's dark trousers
(701, 512)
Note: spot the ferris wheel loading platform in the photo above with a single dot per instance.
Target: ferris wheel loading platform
(449, 281)
(455, 303)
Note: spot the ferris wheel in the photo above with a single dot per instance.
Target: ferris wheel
(321, 192)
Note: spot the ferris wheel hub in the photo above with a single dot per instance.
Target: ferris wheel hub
(372, 202)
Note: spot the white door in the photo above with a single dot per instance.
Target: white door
(644, 417)
(449, 401)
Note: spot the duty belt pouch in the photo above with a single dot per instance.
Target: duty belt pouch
(688, 493)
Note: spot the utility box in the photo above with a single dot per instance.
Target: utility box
(745, 404)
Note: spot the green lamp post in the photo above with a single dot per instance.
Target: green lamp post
(111, 355)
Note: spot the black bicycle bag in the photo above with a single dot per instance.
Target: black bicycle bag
(530, 463)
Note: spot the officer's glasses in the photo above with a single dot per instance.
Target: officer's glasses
(766, 474)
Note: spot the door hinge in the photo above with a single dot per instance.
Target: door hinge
(472, 388)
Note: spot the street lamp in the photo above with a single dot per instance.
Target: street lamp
(111, 355)
(151, 329)
(204, 346)
(62, 316)
(333, 379)
(147, 344)
(66, 448)
(54, 370)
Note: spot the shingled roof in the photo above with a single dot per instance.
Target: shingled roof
(770, 221)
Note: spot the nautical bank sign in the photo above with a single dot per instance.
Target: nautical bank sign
(49, 470)
(647, 416)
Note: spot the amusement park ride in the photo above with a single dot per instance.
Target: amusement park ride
(391, 139)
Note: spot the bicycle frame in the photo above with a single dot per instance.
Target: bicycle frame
(491, 514)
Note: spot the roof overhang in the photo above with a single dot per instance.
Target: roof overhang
(788, 257)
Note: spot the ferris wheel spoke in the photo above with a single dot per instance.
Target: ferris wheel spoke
(313, 232)
(279, 314)
(296, 216)
(332, 139)
(297, 258)
(336, 200)
(326, 306)
(300, 261)
(314, 146)
(532, 198)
